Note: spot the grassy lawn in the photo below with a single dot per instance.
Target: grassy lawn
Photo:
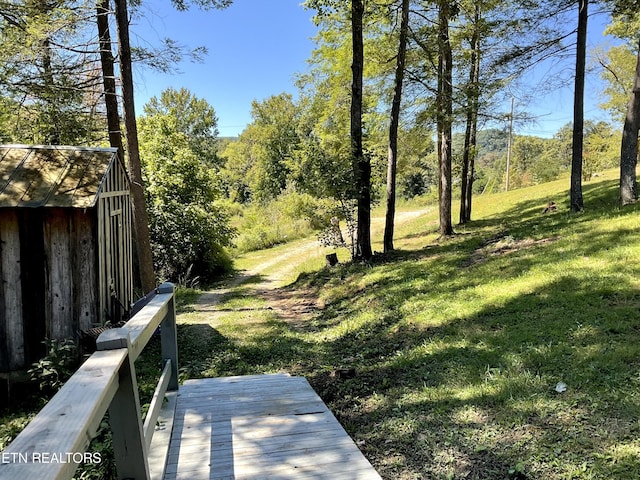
(458, 344)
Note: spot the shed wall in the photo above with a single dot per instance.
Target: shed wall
(49, 280)
(11, 318)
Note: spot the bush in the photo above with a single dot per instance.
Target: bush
(291, 216)
(56, 367)
(189, 238)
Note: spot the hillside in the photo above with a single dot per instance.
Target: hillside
(508, 351)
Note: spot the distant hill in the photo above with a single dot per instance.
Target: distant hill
(490, 141)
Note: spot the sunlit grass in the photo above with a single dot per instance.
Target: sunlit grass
(459, 343)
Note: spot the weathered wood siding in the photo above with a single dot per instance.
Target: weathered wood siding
(114, 238)
(11, 316)
(65, 246)
(71, 279)
(49, 280)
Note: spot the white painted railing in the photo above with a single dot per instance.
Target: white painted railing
(55, 442)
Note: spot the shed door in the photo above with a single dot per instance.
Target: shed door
(115, 258)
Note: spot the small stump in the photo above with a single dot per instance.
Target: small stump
(332, 259)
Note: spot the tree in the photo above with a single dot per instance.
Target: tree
(392, 162)
(109, 77)
(238, 157)
(189, 228)
(140, 218)
(142, 240)
(473, 106)
(260, 162)
(326, 92)
(195, 118)
(629, 146)
(601, 148)
(48, 79)
(526, 154)
(618, 72)
(445, 116)
(576, 201)
(362, 164)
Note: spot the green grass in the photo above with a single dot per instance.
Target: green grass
(458, 344)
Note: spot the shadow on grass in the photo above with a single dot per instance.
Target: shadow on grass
(448, 383)
(503, 362)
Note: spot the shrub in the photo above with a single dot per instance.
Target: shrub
(291, 216)
(189, 238)
(56, 367)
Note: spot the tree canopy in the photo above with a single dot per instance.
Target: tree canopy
(331, 138)
(188, 229)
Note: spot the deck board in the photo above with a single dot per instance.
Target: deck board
(259, 426)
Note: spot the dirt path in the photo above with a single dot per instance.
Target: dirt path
(288, 304)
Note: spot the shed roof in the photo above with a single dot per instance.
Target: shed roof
(52, 176)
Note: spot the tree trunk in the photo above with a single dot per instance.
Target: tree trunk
(473, 94)
(578, 110)
(392, 160)
(629, 148)
(53, 133)
(140, 219)
(49, 90)
(362, 164)
(108, 78)
(445, 112)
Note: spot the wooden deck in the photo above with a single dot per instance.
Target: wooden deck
(261, 426)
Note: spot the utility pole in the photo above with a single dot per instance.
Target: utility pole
(509, 142)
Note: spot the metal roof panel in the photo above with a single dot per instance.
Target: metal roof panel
(52, 176)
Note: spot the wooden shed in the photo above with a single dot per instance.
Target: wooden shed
(65, 246)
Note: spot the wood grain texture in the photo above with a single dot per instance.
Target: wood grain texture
(260, 426)
(11, 290)
(59, 279)
(68, 422)
(85, 269)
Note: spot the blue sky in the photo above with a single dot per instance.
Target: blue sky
(256, 48)
(554, 109)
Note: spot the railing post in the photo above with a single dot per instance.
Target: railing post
(168, 335)
(129, 447)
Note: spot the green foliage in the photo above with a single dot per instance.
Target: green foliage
(101, 444)
(189, 238)
(626, 21)
(48, 81)
(619, 61)
(526, 152)
(458, 345)
(177, 111)
(189, 227)
(292, 215)
(620, 65)
(11, 426)
(258, 164)
(601, 148)
(183, 5)
(323, 163)
(56, 367)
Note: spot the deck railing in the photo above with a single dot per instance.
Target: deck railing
(55, 442)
